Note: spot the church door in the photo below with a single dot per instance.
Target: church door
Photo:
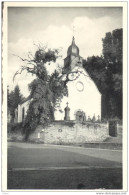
(80, 116)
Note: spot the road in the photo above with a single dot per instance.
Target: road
(40, 166)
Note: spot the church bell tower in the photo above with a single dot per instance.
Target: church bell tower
(84, 98)
(73, 58)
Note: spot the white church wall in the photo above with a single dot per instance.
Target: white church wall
(87, 100)
(25, 105)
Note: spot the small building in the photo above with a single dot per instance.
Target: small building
(22, 109)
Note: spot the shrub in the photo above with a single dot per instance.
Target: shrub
(15, 127)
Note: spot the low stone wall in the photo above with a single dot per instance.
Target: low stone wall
(68, 132)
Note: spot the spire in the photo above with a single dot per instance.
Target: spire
(73, 41)
(73, 49)
(73, 30)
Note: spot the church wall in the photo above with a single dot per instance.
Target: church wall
(25, 105)
(70, 132)
(87, 100)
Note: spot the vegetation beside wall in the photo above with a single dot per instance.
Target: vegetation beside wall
(15, 132)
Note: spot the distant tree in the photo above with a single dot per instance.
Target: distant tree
(14, 98)
(112, 49)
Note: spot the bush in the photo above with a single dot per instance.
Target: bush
(15, 127)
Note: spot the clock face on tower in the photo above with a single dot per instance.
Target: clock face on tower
(79, 86)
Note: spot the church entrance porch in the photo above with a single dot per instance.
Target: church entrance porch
(80, 116)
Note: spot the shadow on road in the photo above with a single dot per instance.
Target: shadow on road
(96, 178)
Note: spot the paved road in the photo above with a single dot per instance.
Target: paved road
(51, 162)
(21, 155)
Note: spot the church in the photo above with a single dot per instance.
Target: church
(83, 102)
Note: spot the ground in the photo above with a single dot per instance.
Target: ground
(40, 166)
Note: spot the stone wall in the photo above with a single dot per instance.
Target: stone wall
(62, 132)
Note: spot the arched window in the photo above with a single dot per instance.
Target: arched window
(23, 113)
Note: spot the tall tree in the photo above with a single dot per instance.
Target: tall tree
(46, 91)
(106, 71)
(113, 47)
(113, 54)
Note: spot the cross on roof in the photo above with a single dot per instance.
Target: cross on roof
(73, 30)
(67, 104)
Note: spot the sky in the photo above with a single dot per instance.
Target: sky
(54, 26)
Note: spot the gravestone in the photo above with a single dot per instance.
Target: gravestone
(113, 128)
(67, 110)
(89, 119)
(98, 119)
(84, 117)
(93, 119)
(79, 116)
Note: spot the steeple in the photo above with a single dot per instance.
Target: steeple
(73, 49)
(73, 58)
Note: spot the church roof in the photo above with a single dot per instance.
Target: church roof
(73, 49)
(25, 99)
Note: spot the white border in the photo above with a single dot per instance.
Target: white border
(4, 77)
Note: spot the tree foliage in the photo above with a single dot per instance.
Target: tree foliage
(106, 71)
(96, 67)
(46, 91)
(14, 98)
(113, 46)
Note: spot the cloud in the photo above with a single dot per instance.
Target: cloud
(88, 37)
(90, 32)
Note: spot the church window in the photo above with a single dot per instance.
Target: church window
(23, 113)
(80, 86)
